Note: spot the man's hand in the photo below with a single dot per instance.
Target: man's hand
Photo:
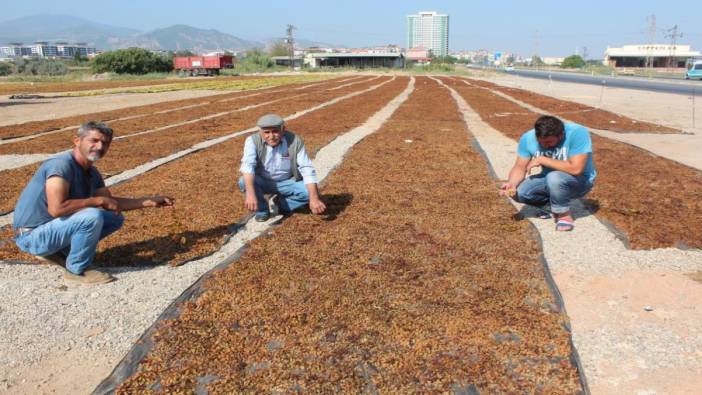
(317, 206)
(534, 162)
(250, 202)
(109, 204)
(507, 189)
(159, 201)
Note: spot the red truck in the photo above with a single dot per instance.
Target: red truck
(202, 65)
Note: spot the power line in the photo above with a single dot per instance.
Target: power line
(291, 45)
(651, 40)
(673, 35)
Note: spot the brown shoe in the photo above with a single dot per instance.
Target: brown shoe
(89, 277)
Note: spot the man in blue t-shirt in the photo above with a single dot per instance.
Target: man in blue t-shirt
(564, 153)
(66, 208)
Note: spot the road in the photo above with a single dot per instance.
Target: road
(678, 87)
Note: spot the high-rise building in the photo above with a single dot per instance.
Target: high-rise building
(428, 30)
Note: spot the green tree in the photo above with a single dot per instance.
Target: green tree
(279, 48)
(5, 68)
(51, 67)
(184, 52)
(536, 61)
(258, 58)
(78, 58)
(448, 59)
(254, 60)
(132, 61)
(40, 67)
(573, 62)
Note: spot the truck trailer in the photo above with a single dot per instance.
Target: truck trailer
(202, 65)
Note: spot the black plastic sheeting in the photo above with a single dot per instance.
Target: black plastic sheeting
(555, 292)
(129, 364)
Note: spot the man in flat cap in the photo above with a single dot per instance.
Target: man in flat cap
(275, 163)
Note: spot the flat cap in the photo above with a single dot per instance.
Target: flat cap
(270, 121)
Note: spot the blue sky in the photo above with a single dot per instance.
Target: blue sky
(550, 28)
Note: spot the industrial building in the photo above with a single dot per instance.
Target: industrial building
(44, 49)
(357, 60)
(298, 60)
(649, 55)
(428, 30)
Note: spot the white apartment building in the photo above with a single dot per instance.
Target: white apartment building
(428, 30)
(43, 49)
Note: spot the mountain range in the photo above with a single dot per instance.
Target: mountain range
(56, 27)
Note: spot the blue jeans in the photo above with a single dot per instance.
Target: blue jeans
(294, 193)
(556, 187)
(76, 235)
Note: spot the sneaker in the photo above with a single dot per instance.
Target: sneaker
(89, 277)
(273, 207)
(56, 258)
(262, 217)
(543, 213)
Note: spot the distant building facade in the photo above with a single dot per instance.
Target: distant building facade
(649, 55)
(356, 60)
(419, 55)
(428, 30)
(44, 49)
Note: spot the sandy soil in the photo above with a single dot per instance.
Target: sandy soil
(19, 111)
(641, 326)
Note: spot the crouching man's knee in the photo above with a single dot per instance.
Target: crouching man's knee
(90, 217)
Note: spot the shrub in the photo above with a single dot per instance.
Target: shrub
(40, 67)
(5, 68)
(573, 62)
(255, 61)
(132, 61)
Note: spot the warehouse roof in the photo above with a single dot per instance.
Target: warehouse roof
(651, 50)
(355, 55)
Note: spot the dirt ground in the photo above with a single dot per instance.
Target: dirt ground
(20, 111)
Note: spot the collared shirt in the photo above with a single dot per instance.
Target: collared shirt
(277, 165)
(32, 207)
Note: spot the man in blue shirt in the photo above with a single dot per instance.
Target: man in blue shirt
(275, 162)
(564, 153)
(66, 208)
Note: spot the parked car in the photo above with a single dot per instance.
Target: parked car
(695, 71)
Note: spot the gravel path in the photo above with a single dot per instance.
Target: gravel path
(635, 314)
(60, 339)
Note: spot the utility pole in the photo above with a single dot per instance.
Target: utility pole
(536, 49)
(674, 36)
(291, 45)
(651, 40)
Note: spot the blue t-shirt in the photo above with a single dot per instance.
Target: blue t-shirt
(32, 209)
(577, 141)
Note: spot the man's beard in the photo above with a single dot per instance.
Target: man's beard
(94, 156)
